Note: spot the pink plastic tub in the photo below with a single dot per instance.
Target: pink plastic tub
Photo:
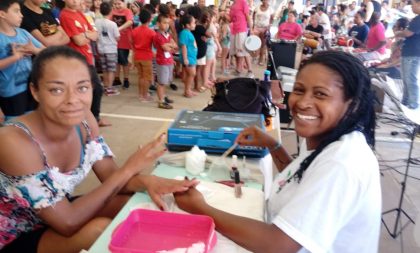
(146, 231)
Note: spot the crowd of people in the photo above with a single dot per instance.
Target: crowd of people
(73, 52)
(163, 41)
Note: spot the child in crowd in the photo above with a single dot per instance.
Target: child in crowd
(213, 46)
(143, 55)
(107, 47)
(164, 45)
(16, 48)
(188, 53)
(96, 8)
(225, 43)
(201, 36)
(135, 8)
(172, 16)
(124, 19)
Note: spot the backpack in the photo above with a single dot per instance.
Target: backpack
(244, 95)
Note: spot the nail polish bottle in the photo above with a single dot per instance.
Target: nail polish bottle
(237, 187)
(234, 166)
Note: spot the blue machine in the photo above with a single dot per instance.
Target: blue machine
(213, 132)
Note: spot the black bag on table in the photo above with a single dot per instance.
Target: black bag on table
(243, 95)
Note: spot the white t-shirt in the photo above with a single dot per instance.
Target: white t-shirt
(108, 36)
(324, 20)
(262, 18)
(336, 208)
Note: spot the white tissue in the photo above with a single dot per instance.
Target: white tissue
(195, 161)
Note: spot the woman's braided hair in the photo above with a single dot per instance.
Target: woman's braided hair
(360, 115)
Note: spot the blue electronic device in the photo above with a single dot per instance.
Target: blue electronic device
(213, 132)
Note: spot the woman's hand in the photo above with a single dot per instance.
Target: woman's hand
(145, 157)
(190, 201)
(158, 186)
(253, 136)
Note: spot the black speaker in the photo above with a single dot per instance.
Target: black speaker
(284, 53)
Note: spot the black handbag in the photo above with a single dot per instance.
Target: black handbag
(244, 95)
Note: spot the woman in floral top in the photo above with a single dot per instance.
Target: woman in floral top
(46, 153)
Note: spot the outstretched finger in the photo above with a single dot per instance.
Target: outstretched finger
(151, 147)
(158, 201)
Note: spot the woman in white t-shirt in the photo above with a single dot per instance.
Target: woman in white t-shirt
(328, 199)
(263, 16)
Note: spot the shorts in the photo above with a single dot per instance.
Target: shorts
(237, 45)
(18, 104)
(145, 70)
(108, 62)
(26, 242)
(201, 61)
(164, 74)
(123, 56)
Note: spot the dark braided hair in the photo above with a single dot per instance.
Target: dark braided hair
(360, 115)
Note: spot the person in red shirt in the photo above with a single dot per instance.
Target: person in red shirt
(81, 34)
(123, 17)
(143, 54)
(289, 30)
(164, 45)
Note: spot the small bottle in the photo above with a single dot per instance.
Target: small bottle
(234, 166)
(237, 185)
(267, 74)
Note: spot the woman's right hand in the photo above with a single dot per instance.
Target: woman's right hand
(145, 157)
(254, 136)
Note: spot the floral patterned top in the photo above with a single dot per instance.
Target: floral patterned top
(22, 196)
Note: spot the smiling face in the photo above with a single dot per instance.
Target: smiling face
(64, 91)
(317, 103)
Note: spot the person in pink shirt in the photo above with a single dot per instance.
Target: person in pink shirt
(375, 43)
(289, 30)
(240, 22)
(376, 39)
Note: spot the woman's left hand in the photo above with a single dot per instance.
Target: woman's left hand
(190, 201)
(158, 186)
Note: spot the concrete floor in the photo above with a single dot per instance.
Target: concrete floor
(135, 123)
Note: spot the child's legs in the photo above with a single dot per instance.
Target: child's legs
(225, 52)
(145, 77)
(208, 72)
(123, 62)
(212, 68)
(263, 49)
(200, 75)
(189, 78)
(198, 78)
(109, 65)
(140, 77)
(164, 77)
